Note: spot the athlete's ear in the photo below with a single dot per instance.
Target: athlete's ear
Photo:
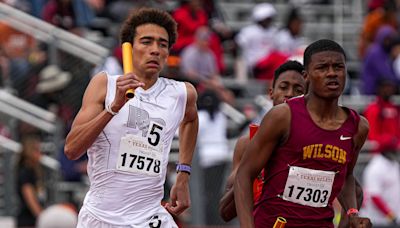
(306, 78)
(271, 92)
(305, 75)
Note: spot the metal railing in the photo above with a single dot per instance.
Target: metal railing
(15, 108)
(43, 31)
(27, 112)
(15, 147)
(31, 114)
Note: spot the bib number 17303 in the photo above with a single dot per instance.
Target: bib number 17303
(308, 186)
(308, 194)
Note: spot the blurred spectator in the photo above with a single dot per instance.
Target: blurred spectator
(190, 16)
(36, 7)
(257, 43)
(382, 201)
(29, 182)
(118, 10)
(384, 118)
(377, 63)
(52, 79)
(289, 39)
(199, 66)
(213, 152)
(382, 188)
(38, 60)
(210, 8)
(378, 17)
(16, 47)
(198, 61)
(216, 20)
(60, 13)
(395, 55)
(73, 170)
(68, 14)
(50, 93)
(4, 70)
(374, 4)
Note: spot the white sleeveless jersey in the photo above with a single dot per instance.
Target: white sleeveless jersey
(128, 160)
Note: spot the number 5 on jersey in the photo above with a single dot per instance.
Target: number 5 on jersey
(154, 134)
(141, 155)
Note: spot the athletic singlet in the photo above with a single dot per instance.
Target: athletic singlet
(307, 172)
(128, 160)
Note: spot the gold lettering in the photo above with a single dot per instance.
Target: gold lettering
(335, 153)
(325, 151)
(328, 151)
(315, 150)
(307, 151)
(342, 156)
(320, 155)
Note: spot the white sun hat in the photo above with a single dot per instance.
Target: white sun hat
(262, 11)
(52, 79)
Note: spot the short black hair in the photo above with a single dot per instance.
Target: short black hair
(289, 65)
(320, 46)
(148, 16)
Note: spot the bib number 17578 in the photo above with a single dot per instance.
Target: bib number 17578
(141, 162)
(136, 155)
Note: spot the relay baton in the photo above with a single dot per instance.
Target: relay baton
(127, 63)
(253, 129)
(280, 222)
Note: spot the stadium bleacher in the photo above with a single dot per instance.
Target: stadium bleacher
(335, 19)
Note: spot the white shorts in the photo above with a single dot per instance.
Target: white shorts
(160, 220)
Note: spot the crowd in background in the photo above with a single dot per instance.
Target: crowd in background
(199, 56)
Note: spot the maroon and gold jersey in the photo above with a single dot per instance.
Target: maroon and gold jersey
(306, 173)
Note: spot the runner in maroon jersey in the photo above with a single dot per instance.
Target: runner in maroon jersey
(288, 82)
(308, 147)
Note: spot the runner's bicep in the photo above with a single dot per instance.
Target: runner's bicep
(359, 140)
(273, 127)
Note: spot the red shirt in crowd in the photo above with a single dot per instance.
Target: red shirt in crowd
(383, 117)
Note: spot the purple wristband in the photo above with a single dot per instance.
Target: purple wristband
(183, 168)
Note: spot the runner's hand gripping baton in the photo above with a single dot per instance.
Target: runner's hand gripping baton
(127, 63)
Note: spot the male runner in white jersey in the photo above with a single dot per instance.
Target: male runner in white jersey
(128, 140)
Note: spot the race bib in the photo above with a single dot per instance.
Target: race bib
(137, 155)
(308, 187)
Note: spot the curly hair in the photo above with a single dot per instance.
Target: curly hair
(148, 16)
